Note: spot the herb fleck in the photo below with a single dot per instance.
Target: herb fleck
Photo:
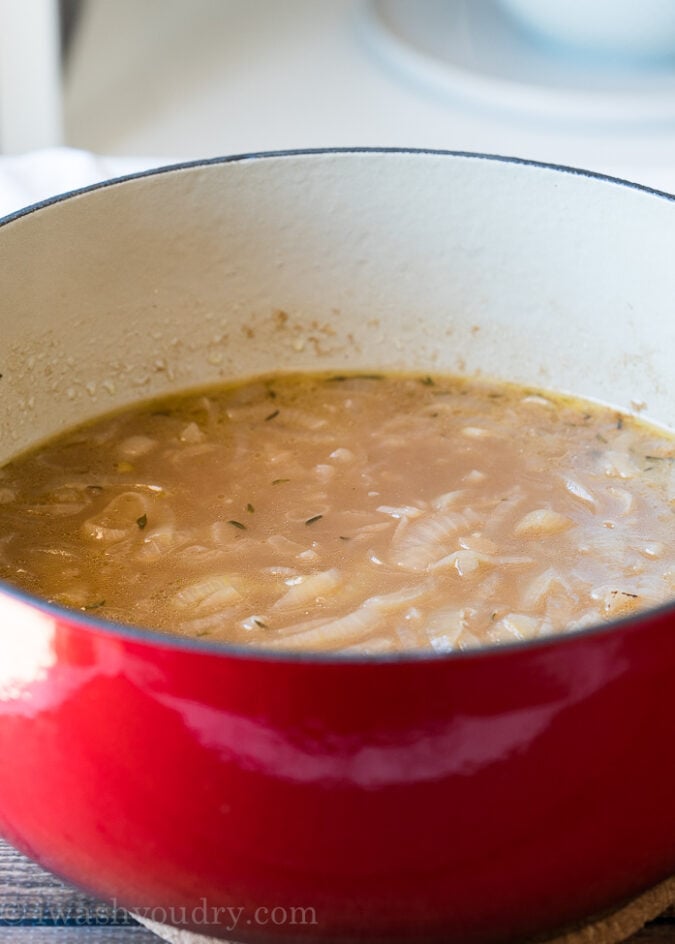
(279, 481)
(428, 381)
(250, 509)
(260, 623)
(314, 519)
(237, 524)
(272, 415)
(340, 378)
(142, 521)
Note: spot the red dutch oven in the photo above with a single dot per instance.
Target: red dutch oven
(486, 796)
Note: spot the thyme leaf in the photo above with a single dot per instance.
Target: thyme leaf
(340, 378)
(313, 519)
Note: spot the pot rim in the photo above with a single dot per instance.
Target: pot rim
(161, 639)
(309, 152)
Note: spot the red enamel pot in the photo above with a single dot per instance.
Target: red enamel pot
(475, 797)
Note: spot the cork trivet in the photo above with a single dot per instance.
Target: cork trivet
(621, 924)
(613, 928)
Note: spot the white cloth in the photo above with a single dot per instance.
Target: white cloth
(29, 178)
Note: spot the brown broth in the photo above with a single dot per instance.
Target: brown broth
(351, 513)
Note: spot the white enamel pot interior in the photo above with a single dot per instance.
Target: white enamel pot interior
(389, 260)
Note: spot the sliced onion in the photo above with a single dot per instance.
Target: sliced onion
(134, 446)
(332, 634)
(209, 593)
(403, 511)
(578, 491)
(309, 589)
(118, 519)
(427, 540)
(372, 645)
(542, 522)
(514, 626)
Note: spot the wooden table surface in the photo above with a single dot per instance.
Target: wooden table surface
(36, 908)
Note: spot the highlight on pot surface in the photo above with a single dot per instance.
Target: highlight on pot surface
(359, 513)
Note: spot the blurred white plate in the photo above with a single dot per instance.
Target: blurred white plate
(472, 49)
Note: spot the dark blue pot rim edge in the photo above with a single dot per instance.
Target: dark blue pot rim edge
(308, 152)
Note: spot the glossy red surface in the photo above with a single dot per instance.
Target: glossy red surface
(473, 798)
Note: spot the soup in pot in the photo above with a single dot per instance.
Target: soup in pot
(352, 513)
